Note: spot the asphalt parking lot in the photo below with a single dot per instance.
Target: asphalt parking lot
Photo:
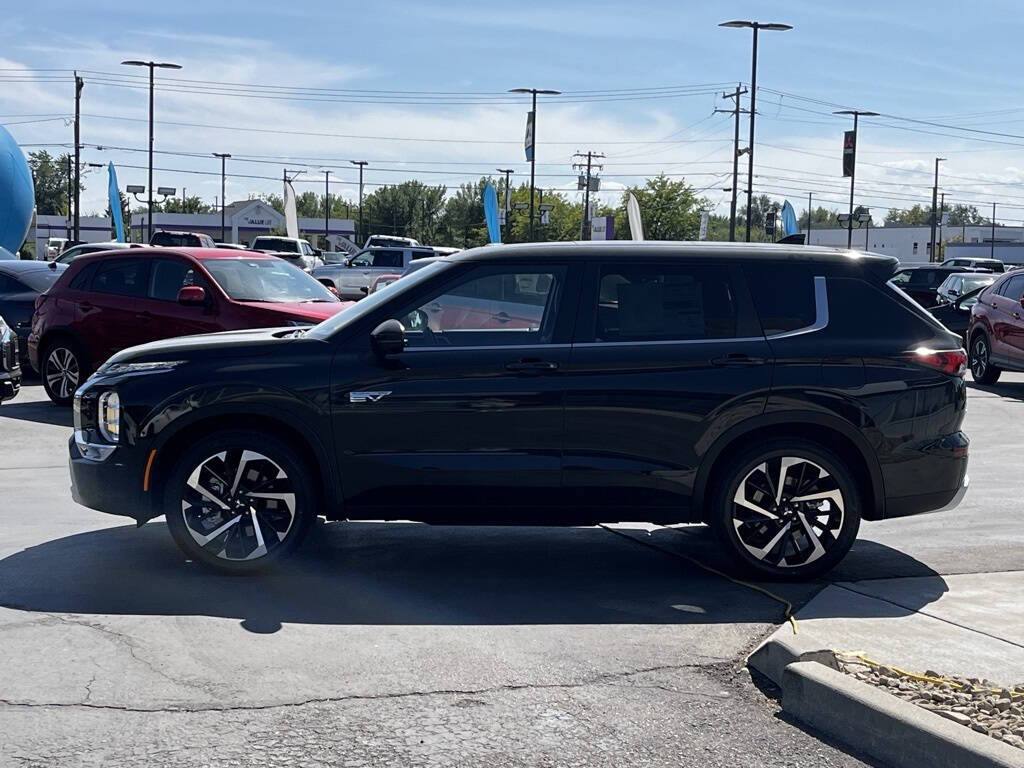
(402, 644)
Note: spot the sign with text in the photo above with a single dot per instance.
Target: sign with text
(528, 141)
(602, 228)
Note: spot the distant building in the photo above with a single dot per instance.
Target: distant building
(243, 221)
(91, 229)
(912, 244)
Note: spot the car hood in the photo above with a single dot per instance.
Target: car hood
(314, 312)
(224, 344)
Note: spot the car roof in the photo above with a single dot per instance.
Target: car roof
(195, 253)
(703, 249)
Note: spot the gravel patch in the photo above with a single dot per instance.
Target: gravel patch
(984, 706)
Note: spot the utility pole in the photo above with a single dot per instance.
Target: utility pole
(942, 207)
(223, 166)
(79, 83)
(992, 250)
(327, 207)
(67, 229)
(935, 204)
(736, 152)
(508, 204)
(580, 165)
(361, 164)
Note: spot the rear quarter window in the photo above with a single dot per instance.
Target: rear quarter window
(783, 295)
(859, 309)
(81, 281)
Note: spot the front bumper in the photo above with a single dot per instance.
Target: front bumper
(10, 384)
(112, 484)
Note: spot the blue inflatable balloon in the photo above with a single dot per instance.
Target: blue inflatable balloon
(17, 195)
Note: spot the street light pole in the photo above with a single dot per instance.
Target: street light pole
(853, 168)
(754, 25)
(79, 83)
(361, 164)
(533, 137)
(327, 206)
(152, 65)
(508, 172)
(223, 166)
(935, 202)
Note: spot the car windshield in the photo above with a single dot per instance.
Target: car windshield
(270, 280)
(365, 306)
(977, 281)
(275, 244)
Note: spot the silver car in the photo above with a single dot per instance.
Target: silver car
(352, 278)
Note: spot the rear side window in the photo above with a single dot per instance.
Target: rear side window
(80, 282)
(387, 259)
(10, 285)
(857, 309)
(1013, 288)
(124, 277)
(783, 295)
(667, 302)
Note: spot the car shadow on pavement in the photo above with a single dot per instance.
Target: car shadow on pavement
(39, 411)
(405, 573)
(1010, 389)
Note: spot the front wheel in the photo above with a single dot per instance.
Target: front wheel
(786, 509)
(980, 361)
(238, 501)
(62, 370)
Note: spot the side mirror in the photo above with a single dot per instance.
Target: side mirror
(318, 252)
(333, 290)
(365, 290)
(192, 296)
(388, 338)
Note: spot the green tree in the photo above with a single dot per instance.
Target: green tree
(670, 210)
(191, 204)
(50, 176)
(821, 218)
(918, 215)
(965, 215)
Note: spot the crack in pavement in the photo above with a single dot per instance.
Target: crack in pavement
(605, 678)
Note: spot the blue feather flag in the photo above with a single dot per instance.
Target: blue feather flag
(491, 213)
(789, 225)
(115, 204)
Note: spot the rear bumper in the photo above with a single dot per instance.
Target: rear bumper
(940, 467)
(112, 485)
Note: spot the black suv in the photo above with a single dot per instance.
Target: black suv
(779, 394)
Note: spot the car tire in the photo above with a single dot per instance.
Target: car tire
(246, 522)
(979, 359)
(62, 370)
(774, 535)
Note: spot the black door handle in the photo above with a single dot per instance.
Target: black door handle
(531, 366)
(737, 359)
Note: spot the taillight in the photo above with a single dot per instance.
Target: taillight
(951, 361)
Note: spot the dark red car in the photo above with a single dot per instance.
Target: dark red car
(109, 301)
(995, 337)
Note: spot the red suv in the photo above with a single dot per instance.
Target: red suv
(105, 302)
(995, 337)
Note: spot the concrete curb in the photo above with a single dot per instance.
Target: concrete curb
(886, 728)
(780, 650)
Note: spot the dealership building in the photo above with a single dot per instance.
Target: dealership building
(912, 244)
(243, 221)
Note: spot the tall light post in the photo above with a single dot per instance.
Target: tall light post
(152, 65)
(361, 164)
(508, 172)
(327, 207)
(531, 137)
(934, 255)
(853, 167)
(223, 168)
(754, 25)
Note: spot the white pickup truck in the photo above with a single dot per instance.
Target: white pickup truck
(294, 249)
(352, 278)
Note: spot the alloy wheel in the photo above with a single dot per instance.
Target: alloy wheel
(62, 372)
(979, 360)
(788, 511)
(238, 505)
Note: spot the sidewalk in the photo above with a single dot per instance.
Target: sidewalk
(968, 626)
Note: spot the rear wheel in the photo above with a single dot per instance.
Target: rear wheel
(980, 361)
(787, 509)
(238, 501)
(62, 370)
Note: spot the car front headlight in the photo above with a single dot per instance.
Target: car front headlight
(158, 366)
(109, 416)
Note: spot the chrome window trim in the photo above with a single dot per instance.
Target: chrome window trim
(820, 312)
(447, 348)
(666, 342)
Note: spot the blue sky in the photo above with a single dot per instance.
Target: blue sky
(910, 59)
